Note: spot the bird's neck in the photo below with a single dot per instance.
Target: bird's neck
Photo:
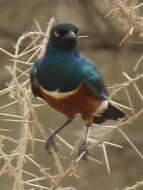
(52, 50)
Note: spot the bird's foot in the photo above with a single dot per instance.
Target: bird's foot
(50, 143)
(84, 152)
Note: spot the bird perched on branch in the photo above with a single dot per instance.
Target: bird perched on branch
(71, 83)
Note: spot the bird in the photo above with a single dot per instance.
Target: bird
(71, 83)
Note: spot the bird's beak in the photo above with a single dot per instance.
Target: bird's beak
(70, 34)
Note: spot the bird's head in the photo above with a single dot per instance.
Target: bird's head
(64, 36)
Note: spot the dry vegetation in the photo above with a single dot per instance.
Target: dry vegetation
(29, 47)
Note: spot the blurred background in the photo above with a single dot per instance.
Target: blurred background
(102, 46)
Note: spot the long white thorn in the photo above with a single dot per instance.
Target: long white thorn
(131, 143)
(113, 144)
(106, 158)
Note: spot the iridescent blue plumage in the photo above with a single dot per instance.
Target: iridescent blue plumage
(65, 70)
(60, 70)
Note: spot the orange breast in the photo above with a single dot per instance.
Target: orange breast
(80, 101)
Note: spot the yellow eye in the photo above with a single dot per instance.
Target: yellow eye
(56, 33)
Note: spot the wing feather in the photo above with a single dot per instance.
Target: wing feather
(94, 80)
(34, 82)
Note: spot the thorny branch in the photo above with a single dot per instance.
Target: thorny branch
(20, 95)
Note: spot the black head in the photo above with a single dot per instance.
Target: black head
(64, 36)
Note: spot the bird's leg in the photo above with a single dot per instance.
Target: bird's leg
(50, 141)
(83, 147)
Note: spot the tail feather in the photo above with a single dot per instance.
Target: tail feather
(111, 113)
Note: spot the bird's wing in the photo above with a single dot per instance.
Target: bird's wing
(93, 79)
(34, 82)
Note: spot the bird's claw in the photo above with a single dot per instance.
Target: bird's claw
(50, 143)
(84, 152)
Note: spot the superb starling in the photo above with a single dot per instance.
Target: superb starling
(71, 83)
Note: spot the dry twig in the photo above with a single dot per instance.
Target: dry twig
(20, 95)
